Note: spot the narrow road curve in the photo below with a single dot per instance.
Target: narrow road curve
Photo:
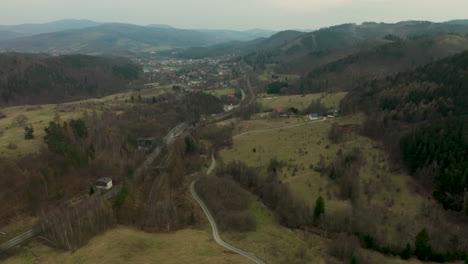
(214, 227)
(216, 236)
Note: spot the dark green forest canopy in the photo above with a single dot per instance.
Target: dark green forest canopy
(428, 109)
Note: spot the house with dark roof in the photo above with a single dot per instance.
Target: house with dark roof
(104, 183)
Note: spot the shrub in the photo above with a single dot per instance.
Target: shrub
(423, 249)
(28, 132)
(406, 253)
(12, 146)
(319, 209)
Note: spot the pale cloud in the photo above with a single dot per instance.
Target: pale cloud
(233, 14)
(304, 6)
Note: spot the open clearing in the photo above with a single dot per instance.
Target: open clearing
(125, 245)
(271, 242)
(395, 211)
(301, 102)
(39, 117)
(220, 92)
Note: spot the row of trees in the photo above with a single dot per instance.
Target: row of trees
(290, 211)
(422, 249)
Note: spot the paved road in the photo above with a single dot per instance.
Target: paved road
(174, 133)
(214, 227)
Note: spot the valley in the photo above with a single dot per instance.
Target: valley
(346, 144)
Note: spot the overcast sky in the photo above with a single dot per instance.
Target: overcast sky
(233, 14)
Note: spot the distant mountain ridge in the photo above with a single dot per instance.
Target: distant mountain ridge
(84, 36)
(59, 25)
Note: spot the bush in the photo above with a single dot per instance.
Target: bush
(28, 132)
(12, 146)
(423, 249)
(19, 121)
(319, 209)
(406, 253)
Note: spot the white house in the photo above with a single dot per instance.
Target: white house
(314, 116)
(104, 183)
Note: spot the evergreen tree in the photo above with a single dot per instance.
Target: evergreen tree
(28, 132)
(406, 253)
(423, 249)
(353, 260)
(319, 209)
(91, 190)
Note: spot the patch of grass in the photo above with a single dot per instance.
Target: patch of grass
(39, 118)
(271, 242)
(125, 245)
(386, 198)
(301, 102)
(220, 92)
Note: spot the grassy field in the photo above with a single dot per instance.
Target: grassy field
(273, 243)
(300, 147)
(281, 77)
(300, 101)
(125, 245)
(39, 117)
(387, 197)
(220, 92)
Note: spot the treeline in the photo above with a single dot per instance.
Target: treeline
(29, 80)
(422, 249)
(424, 111)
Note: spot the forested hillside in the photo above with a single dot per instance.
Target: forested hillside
(330, 40)
(396, 55)
(426, 109)
(29, 80)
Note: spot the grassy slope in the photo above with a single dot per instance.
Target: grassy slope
(391, 201)
(385, 196)
(220, 92)
(41, 117)
(301, 102)
(125, 245)
(271, 242)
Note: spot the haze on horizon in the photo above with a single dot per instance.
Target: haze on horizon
(228, 14)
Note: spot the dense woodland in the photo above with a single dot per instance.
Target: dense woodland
(427, 109)
(38, 80)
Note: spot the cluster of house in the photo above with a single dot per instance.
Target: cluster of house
(330, 114)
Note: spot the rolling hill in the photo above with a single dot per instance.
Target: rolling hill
(37, 80)
(34, 29)
(92, 37)
(344, 40)
(380, 61)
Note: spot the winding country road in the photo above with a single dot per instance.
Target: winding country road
(214, 227)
